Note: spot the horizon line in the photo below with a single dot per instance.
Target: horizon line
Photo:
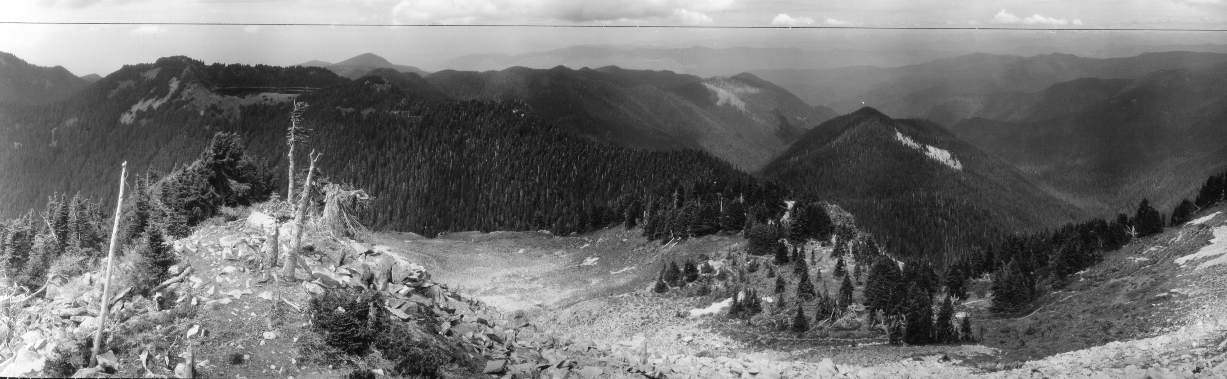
(951, 28)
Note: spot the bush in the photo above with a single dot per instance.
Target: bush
(409, 355)
(64, 361)
(343, 317)
(359, 374)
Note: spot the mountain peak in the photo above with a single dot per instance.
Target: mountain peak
(367, 59)
(868, 111)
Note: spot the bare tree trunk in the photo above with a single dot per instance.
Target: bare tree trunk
(289, 191)
(106, 284)
(292, 255)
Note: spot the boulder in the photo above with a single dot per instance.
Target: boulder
(230, 241)
(260, 221)
(27, 363)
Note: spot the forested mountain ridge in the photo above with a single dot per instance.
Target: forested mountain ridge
(1154, 137)
(24, 83)
(914, 184)
(433, 166)
(741, 119)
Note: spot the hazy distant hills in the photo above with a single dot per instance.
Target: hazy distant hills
(91, 78)
(741, 119)
(913, 183)
(695, 60)
(912, 91)
(1108, 143)
(362, 65)
(24, 83)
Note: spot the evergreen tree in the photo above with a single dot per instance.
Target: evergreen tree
(882, 290)
(18, 244)
(735, 307)
(706, 268)
(691, 271)
(839, 267)
(660, 286)
(42, 253)
(781, 254)
(805, 288)
(799, 267)
(965, 330)
(154, 258)
(918, 317)
(800, 324)
(1212, 191)
(1147, 220)
(706, 220)
(630, 218)
(858, 272)
(943, 330)
(845, 293)
(763, 239)
(1012, 288)
(1183, 213)
(733, 218)
(956, 283)
(674, 275)
(780, 284)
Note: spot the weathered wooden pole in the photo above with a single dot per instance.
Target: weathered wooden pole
(106, 284)
(291, 261)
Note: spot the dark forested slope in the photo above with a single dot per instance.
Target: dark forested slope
(741, 119)
(915, 185)
(432, 165)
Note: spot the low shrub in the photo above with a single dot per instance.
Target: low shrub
(343, 318)
(410, 356)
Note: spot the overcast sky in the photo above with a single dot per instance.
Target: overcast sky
(101, 49)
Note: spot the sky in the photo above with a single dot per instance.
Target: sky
(412, 32)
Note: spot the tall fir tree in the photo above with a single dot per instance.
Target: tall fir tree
(845, 293)
(780, 284)
(805, 288)
(674, 276)
(1147, 220)
(965, 334)
(840, 270)
(1183, 213)
(882, 290)
(943, 328)
(800, 323)
(956, 281)
(1012, 288)
(918, 317)
(781, 254)
(733, 218)
(153, 260)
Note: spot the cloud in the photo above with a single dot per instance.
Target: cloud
(690, 17)
(690, 12)
(252, 29)
(783, 19)
(80, 3)
(1200, 2)
(834, 22)
(1004, 17)
(149, 29)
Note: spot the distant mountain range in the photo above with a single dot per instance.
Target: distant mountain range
(914, 184)
(914, 90)
(361, 65)
(695, 60)
(741, 119)
(1106, 144)
(24, 83)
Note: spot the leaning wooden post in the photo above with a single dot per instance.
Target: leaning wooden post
(106, 284)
